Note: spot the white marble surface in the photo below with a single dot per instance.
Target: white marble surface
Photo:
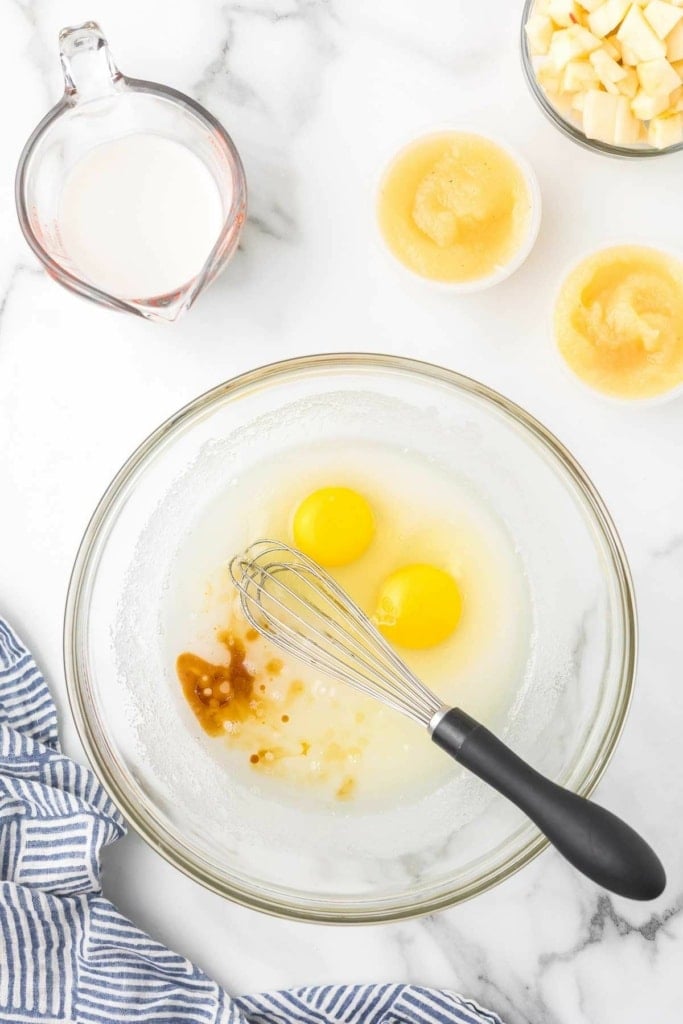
(315, 94)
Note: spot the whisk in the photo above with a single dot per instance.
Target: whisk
(304, 612)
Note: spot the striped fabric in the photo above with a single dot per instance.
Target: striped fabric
(68, 956)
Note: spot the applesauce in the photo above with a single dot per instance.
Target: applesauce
(455, 207)
(619, 321)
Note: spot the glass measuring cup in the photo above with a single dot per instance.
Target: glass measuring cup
(100, 105)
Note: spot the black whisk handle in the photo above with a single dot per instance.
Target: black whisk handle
(594, 840)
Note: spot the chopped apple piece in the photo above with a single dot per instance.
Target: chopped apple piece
(628, 85)
(578, 76)
(563, 102)
(657, 76)
(665, 131)
(550, 79)
(607, 16)
(607, 70)
(569, 43)
(590, 5)
(646, 106)
(663, 17)
(599, 115)
(639, 37)
(612, 48)
(626, 126)
(628, 57)
(563, 12)
(674, 43)
(539, 32)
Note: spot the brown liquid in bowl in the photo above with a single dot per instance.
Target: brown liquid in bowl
(218, 693)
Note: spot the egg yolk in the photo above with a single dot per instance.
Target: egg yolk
(418, 606)
(334, 526)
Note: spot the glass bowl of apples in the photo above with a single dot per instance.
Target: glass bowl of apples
(608, 73)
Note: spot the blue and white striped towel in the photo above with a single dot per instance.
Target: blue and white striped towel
(68, 956)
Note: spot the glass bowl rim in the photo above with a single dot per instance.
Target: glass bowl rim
(257, 896)
(565, 126)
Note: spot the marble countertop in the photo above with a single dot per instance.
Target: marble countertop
(316, 93)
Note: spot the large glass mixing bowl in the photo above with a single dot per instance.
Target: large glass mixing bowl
(315, 862)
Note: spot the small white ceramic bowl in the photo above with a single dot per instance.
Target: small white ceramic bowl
(501, 273)
(615, 400)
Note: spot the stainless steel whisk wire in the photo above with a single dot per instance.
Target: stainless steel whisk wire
(304, 612)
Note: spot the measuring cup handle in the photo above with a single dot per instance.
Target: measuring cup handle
(88, 66)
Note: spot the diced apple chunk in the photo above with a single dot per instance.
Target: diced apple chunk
(612, 48)
(628, 85)
(578, 76)
(646, 106)
(563, 12)
(607, 16)
(663, 17)
(570, 43)
(599, 115)
(626, 126)
(639, 37)
(590, 5)
(539, 32)
(674, 44)
(609, 119)
(657, 76)
(563, 102)
(550, 79)
(607, 70)
(665, 131)
(628, 57)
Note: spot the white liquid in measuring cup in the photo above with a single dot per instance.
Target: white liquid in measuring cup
(139, 215)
